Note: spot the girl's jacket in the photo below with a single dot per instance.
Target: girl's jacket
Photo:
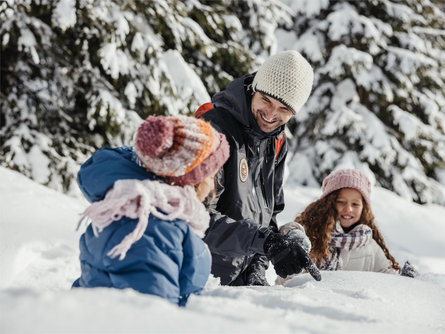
(169, 260)
(366, 255)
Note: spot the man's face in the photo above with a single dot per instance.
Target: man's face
(269, 113)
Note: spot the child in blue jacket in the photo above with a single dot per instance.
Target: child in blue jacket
(147, 215)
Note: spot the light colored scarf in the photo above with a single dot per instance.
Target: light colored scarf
(138, 199)
(360, 237)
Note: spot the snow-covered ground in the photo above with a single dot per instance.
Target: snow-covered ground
(38, 262)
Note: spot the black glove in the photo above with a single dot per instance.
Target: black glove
(256, 271)
(288, 256)
(301, 238)
(408, 270)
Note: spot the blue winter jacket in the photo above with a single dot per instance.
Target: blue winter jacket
(169, 261)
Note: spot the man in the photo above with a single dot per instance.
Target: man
(252, 113)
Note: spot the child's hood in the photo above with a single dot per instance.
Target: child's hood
(98, 174)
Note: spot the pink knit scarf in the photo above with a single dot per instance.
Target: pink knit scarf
(138, 199)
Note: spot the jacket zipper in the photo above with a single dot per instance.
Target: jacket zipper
(255, 193)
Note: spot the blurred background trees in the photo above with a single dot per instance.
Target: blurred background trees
(79, 75)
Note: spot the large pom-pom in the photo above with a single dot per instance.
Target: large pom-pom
(155, 136)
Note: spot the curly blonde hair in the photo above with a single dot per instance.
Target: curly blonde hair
(319, 219)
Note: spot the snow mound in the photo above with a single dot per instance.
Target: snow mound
(39, 261)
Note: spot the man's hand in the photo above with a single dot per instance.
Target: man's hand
(288, 256)
(301, 238)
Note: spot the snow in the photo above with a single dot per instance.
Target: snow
(307, 7)
(440, 175)
(65, 14)
(131, 93)
(121, 24)
(185, 82)
(38, 247)
(27, 42)
(114, 61)
(40, 172)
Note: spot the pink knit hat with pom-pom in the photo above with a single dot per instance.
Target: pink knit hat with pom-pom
(183, 150)
(347, 178)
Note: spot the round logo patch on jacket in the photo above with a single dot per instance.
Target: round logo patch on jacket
(243, 170)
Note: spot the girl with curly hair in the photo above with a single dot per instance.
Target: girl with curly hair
(341, 229)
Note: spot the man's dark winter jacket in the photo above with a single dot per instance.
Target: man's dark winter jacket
(250, 193)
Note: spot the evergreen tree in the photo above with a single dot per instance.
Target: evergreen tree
(378, 100)
(79, 75)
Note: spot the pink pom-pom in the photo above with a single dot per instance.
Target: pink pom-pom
(155, 136)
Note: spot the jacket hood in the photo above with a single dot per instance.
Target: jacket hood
(234, 98)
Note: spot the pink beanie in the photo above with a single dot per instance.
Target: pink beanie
(347, 178)
(183, 150)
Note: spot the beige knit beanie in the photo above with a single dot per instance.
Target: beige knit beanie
(287, 77)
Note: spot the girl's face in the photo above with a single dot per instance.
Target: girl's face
(349, 206)
(204, 188)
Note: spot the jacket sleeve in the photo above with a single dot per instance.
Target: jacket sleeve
(195, 268)
(228, 237)
(257, 267)
(98, 174)
(381, 263)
